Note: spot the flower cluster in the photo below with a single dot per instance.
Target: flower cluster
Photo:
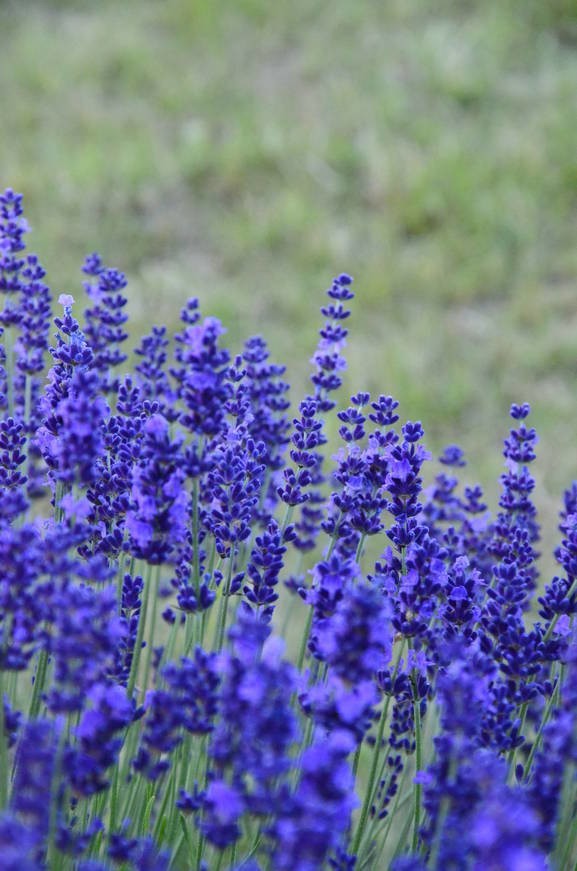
(218, 651)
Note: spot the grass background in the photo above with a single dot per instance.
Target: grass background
(247, 151)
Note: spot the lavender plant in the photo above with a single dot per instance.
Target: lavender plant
(163, 524)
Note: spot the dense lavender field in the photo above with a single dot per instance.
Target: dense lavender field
(203, 665)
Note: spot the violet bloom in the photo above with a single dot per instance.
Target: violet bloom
(34, 778)
(301, 483)
(84, 639)
(141, 853)
(110, 493)
(312, 821)
(72, 360)
(503, 833)
(27, 308)
(188, 598)
(552, 761)
(267, 394)
(263, 568)
(335, 705)
(355, 641)
(13, 501)
(152, 378)
(307, 437)
(413, 576)
(474, 819)
(233, 485)
(460, 611)
(523, 655)
(359, 500)
(13, 227)
(351, 634)
(130, 606)
(414, 583)
(223, 807)
(75, 450)
(18, 845)
(463, 696)
(72, 352)
(353, 420)
(105, 320)
(35, 315)
(327, 358)
(404, 483)
(461, 524)
(30, 347)
(202, 374)
(12, 722)
(559, 599)
(444, 507)
(188, 701)
(98, 732)
(74, 841)
(159, 513)
(251, 749)
(408, 684)
(516, 528)
(23, 605)
(331, 578)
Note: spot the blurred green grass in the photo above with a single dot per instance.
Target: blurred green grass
(245, 152)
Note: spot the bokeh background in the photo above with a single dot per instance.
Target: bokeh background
(246, 151)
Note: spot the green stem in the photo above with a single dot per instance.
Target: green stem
(3, 749)
(373, 780)
(360, 546)
(305, 640)
(168, 654)
(335, 535)
(513, 752)
(287, 519)
(371, 784)
(221, 625)
(150, 641)
(199, 851)
(397, 804)
(27, 411)
(401, 843)
(186, 836)
(52, 798)
(145, 818)
(563, 841)
(418, 765)
(539, 735)
(356, 760)
(195, 541)
(114, 800)
(9, 351)
(58, 494)
(169, 795)
(139, 633)
(39, 681)
(129, 744)
(309, 623)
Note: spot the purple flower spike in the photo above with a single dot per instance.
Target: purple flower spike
(159, 512)
(105, 320)
(327, 358)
